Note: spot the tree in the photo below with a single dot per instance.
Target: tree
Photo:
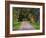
(26, 13)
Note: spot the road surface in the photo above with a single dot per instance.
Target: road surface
(25, 25)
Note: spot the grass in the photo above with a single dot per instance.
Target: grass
(16, 25)
(36, 25)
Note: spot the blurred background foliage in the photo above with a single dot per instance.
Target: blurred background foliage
(26, 14)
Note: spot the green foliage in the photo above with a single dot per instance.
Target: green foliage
(16, 24)
(36, 25)
(20, 14)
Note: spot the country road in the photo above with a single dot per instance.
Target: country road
(25, 25)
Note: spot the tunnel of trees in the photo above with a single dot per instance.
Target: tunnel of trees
(26, 14)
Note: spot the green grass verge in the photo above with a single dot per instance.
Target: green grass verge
(36, 25)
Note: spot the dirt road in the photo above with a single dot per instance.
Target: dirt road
(25, 25)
